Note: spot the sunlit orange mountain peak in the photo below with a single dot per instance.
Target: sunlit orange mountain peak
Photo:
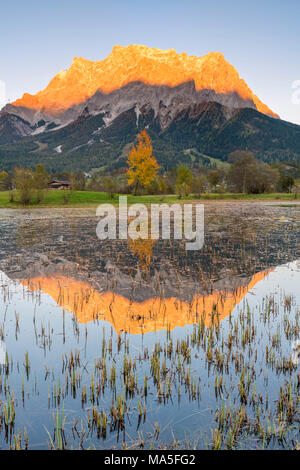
(211, 74)
(152, 314)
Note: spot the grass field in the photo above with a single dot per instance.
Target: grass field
(56, 198)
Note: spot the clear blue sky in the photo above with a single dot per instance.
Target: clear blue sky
(261, 38)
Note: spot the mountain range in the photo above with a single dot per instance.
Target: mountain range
(193, 108)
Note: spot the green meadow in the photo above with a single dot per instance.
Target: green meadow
(54, 198)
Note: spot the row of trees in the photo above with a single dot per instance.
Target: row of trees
(34, 183)
(245, 174)
(27, 182)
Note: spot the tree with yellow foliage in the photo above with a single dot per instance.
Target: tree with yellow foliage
(142, 166)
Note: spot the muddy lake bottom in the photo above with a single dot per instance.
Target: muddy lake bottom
(143, 345)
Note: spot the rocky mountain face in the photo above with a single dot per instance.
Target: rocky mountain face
(137, 75)
(13, 128)
(192, 107)
(190, 135)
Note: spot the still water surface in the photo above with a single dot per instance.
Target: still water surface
(142, 344)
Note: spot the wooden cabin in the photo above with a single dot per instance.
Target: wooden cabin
(57, 184)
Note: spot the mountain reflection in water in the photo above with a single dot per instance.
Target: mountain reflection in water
(150, 315)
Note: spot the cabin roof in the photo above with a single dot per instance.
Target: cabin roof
(58, 182)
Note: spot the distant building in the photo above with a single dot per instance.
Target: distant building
(57, 184)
